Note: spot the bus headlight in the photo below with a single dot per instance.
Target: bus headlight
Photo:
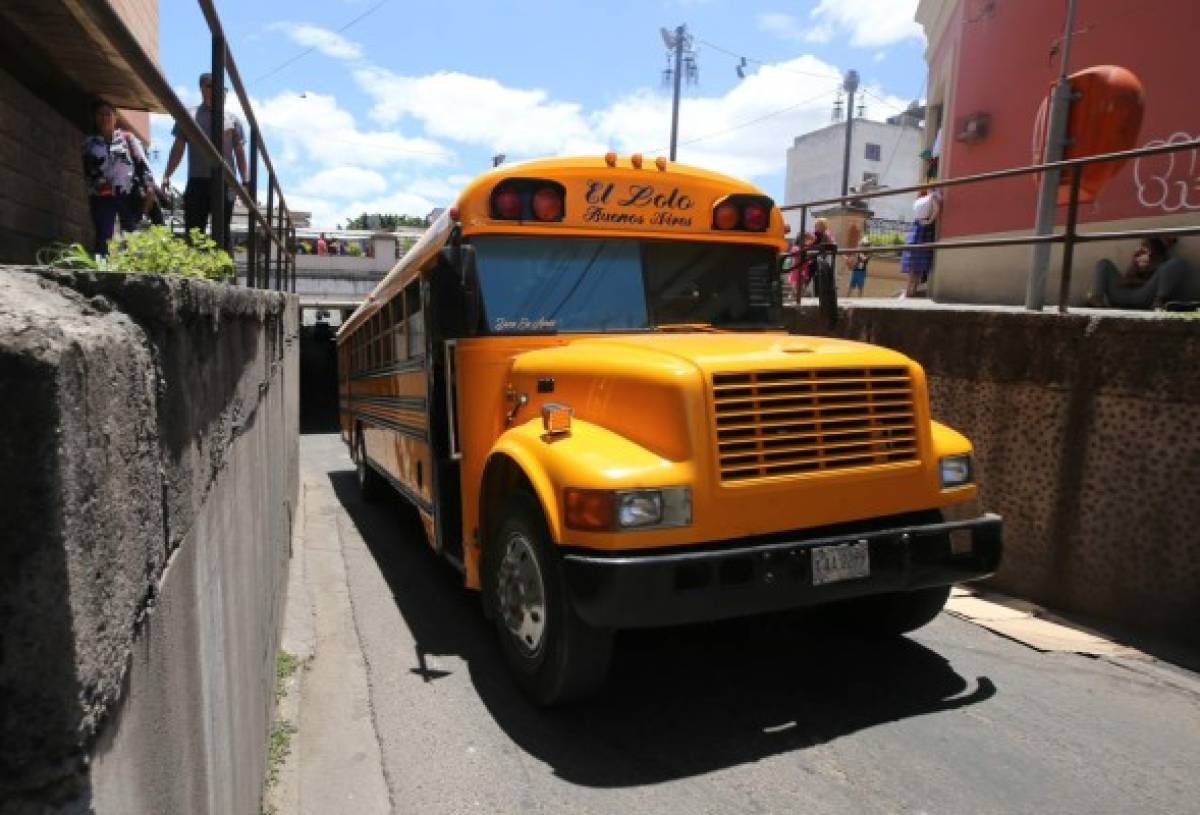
(616, 510)
(665, 507)
(956, 471)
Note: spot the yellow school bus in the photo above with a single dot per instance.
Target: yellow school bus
(579, 376)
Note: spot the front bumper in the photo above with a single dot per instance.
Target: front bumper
(746, 577)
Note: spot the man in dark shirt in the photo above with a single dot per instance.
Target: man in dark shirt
(202, 172)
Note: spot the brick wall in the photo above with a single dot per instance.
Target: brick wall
(42, 195)
(142, 18)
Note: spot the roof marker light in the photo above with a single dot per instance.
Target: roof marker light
(610, 158)
(660, 163)
(636, 161)
(453, 213)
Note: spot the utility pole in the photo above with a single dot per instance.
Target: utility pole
(679, 48)
(850, 85)
(1056, 137)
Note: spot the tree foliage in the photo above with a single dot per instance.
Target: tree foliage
(386, 222)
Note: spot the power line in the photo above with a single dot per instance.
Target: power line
(896, 146)
(777, 67)
(312, 48)
(766, 64)
(754, 121)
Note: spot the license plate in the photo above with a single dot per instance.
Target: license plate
(846, 561)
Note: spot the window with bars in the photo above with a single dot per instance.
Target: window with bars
(874, 152)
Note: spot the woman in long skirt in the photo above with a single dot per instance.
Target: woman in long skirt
(916, 263)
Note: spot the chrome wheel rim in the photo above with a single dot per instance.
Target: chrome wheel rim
(521, 594)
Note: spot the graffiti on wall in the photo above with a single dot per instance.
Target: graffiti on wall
(1169, 182)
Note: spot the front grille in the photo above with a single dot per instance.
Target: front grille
(772, 423)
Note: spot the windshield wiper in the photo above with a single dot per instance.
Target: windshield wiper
(685, 327)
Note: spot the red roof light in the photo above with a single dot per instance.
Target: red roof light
(726, 216)
(506, 202)
(548, 204)
(755, 217)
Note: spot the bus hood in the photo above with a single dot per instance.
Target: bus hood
(654, 388)
(719, 351)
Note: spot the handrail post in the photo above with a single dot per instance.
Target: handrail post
(279, 248)
(1068, 255)
(251, 221)
(800, 256)
(292, 253)
(217, 131)
(265, 279)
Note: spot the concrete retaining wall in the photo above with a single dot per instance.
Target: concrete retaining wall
(148, 468)
(1087, 436)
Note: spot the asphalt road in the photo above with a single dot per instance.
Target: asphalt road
(758, 715)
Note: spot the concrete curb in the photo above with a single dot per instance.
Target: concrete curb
(298, 640)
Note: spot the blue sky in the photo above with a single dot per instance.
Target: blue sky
(396, 111)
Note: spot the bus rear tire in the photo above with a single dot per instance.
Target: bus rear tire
(554, 656)
(890, 615)
(370, 483)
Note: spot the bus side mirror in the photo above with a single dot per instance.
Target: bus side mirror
(457, 264)
(470, 285)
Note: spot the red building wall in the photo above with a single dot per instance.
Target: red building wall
(1006, 63)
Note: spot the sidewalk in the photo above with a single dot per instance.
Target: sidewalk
(334, 764)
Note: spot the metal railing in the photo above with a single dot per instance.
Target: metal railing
(276, 223)
(1069, 237)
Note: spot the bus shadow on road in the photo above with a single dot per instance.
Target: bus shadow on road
(679, 702)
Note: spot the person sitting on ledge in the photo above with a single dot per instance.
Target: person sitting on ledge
(1152, 279)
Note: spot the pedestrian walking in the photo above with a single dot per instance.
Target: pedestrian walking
(202, 172)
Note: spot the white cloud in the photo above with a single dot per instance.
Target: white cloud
(787, 27)
(441, 191)
(870, 23)
(480, 111)
(314, 129)
(745, 132)
(328, 213)
(345, 181)
(329, 43)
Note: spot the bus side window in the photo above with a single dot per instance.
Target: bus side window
(397, 339)
(376, 345)
(416, 319)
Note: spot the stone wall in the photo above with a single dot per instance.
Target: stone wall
(1087, 436)
(148, 464)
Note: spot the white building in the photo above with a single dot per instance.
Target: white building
(881, 154)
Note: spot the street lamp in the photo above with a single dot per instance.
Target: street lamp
(850, 85)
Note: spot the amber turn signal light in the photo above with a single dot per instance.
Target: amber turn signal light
(590, 510)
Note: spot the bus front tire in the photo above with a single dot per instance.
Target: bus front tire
(890, 615)
(554, 655)
(370, 483)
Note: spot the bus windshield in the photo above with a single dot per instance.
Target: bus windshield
(549, 285)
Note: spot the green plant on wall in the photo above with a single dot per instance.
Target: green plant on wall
(155, 250)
